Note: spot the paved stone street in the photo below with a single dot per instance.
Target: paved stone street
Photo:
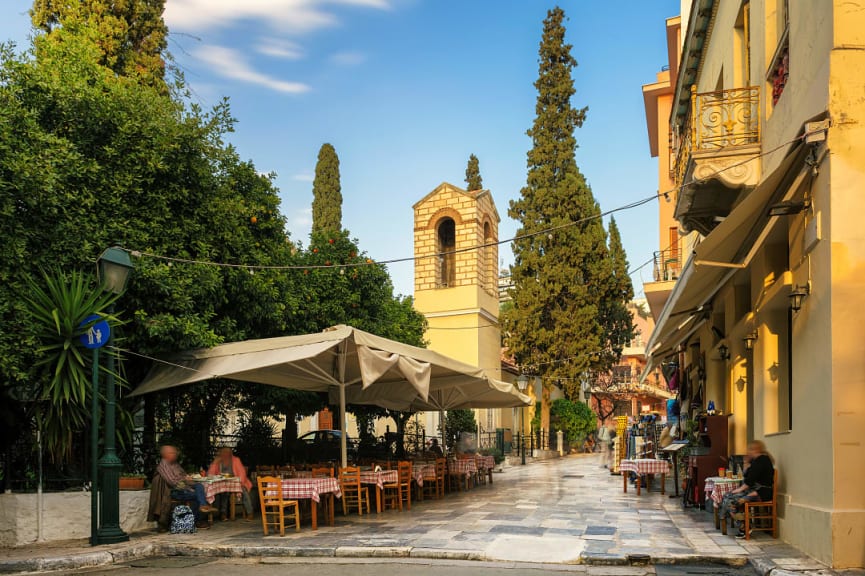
(564, 511)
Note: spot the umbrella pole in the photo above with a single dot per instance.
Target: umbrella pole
(343, 441)
(444, 435)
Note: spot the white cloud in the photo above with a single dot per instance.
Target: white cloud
(302, 217)
(305, 177)
(293, 15)
(276, 48)
(231, 64)
(348, 58)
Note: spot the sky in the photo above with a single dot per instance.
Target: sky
(405, 90)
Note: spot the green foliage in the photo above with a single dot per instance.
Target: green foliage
(615, 316)
(255, 443)
(473, 175)
(495, 453)
(575, 419)
(457, 422)
(57, 307)
(327, 192)
(562, 280)
(132, 36)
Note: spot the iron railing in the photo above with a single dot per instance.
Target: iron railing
(668, 265)
(717, 121)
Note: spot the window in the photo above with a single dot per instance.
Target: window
(742, 36)
(779, 67)
(445, 246)
(489, 260)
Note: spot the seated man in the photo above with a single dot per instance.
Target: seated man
(756, 486)
(183, 487)
(227, 463)
(435, 449)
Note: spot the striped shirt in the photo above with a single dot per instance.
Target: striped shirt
(172, 472)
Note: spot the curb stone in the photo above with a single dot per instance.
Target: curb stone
(373, 552)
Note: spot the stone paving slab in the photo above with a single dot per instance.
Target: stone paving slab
(566, 511)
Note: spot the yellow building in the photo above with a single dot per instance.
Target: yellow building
(767, 152)
(456, 284)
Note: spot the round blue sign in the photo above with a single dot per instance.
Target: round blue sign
(97, 334)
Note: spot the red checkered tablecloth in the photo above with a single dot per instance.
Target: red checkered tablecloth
(462, 466)
(379, 478)
(716, 487)
(214, 487)
(486, 462)
(303, 488)
(645, 466)
(421, 471)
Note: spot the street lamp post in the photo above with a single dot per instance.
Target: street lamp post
(114, 266)
(522, 384)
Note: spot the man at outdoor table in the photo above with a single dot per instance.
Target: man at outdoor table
(756, 485)
(435, 449)
(227, 463)
(183, 487)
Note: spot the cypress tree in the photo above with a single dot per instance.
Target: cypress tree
(327, 192)
(560, 277)
(132, 33)
(616, 318)
(473, 175)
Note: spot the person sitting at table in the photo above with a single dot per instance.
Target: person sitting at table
(183, 487)
(226, 463)
(435, 449)
(756, 485)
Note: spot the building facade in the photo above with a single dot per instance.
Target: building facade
(766, 151)
(457, 284)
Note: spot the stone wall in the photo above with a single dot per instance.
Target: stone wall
(65, 516)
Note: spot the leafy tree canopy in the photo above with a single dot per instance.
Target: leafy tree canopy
(575, 419)
(327, 192)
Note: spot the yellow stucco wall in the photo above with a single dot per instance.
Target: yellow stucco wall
(821, 455)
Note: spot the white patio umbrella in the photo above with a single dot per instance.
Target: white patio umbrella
(351, 365)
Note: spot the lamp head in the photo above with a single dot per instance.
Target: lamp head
(522, 382)
(114, 267)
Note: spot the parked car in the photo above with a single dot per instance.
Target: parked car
(321, 446)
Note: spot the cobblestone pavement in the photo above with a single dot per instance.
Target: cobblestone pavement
(563, 511)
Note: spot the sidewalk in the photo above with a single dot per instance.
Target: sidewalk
(566, 511)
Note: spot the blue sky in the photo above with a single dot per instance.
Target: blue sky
(407, 89)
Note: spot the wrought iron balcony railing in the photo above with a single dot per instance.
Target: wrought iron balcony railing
(717, 121)
(668, 265)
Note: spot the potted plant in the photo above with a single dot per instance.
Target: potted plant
(132, 481)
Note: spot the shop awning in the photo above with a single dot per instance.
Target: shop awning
(728, 248)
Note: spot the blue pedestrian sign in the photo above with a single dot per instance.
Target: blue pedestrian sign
(97, 335)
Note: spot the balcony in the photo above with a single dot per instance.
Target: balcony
(711, 149)
(668, 265)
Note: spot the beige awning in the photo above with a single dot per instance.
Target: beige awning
(351, 365)
(728, 248)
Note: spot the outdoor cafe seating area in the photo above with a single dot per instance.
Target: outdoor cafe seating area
(298, 495)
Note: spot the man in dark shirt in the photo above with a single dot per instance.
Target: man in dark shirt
(756, 485)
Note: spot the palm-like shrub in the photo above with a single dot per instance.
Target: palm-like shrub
(58, 305)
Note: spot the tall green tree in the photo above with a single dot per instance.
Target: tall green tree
(473, 175)
(131, 34)
(327, 192)
(616, 318)
(561, 277)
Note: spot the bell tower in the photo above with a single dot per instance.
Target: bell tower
(456, 275)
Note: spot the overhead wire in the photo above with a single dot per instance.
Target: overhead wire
(548, 230)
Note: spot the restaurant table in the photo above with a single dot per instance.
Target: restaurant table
(643, 466)
(465, 467)
(222, 485)
(379, 478)
(715, 489)
(312, 489)
(486, 465)
(422, 471)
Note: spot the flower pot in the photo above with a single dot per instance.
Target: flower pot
(129, 483)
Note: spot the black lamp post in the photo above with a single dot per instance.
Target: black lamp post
(522, 384)
(114, 268)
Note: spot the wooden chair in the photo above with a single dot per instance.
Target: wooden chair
(400, 491)
(766, 513)
(322, 472)
(273, 505)
(353, 493)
